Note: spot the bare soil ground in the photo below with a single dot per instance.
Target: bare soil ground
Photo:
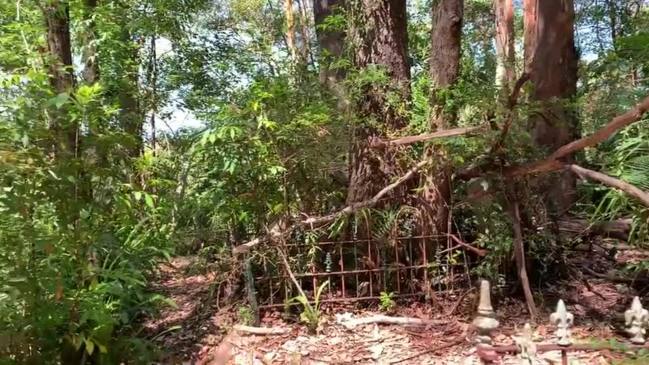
(197, 331)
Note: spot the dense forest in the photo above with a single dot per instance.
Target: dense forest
(498, 137)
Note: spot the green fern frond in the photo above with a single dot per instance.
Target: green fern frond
(636, 171)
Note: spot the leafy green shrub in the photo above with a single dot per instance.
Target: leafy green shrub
(310, 312)
(246, 315)
(386, 301)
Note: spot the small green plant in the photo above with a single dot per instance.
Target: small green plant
(310, 312)
(245, 315)
(386, 301)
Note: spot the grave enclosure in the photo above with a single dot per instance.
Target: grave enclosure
(360, 270)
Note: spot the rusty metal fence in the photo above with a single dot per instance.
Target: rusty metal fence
(358, 270)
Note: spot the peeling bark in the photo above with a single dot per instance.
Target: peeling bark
(505, 37)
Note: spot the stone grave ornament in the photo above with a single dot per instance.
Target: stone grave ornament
(636, 320)
(486, 320)
(563, 320)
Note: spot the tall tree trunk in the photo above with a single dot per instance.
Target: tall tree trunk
(90, 57)
(290, 28)
(131, 116)
(57, 20)
(383, 39)
(445, 56)
(505, 37)
(331, 42)
(551, 62)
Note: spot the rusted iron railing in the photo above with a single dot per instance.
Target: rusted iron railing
(359, 270)
(636, 322)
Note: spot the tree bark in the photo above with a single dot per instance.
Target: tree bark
(131, 116)
(445, 56)
(57, 20)
(505, 37)
(551, 62)
(90, 56)
(290, 28)
(382, 32)
(331, 41)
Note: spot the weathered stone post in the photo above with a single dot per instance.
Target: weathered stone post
(485, 322)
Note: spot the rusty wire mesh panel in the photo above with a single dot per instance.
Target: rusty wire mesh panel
(358, 270)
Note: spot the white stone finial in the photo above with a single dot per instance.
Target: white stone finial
(636, 320)
(563, 320)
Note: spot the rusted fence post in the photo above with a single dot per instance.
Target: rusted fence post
(485, 322)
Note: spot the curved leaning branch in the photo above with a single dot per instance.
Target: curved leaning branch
(552, 163)
(612, 182)
(277, 232)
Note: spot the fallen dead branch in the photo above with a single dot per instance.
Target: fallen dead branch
(278, 232)
(425, 137)
(612, 182)
(520, 259)
(456, 342)
(351, 323)
(619, 228)
(261, 330)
